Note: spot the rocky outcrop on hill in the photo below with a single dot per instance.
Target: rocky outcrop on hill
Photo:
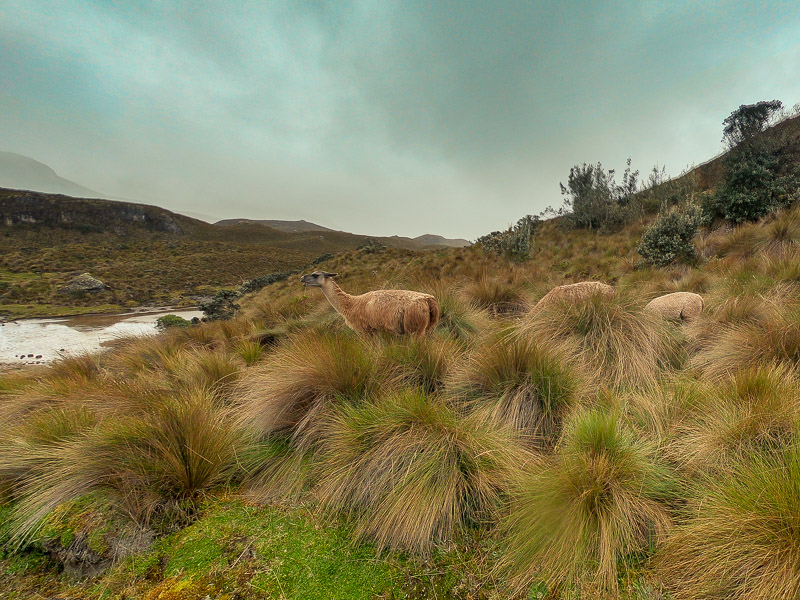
(18, 207)
(84, 283)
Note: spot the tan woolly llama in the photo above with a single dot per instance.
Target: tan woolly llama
(393, 311)
(576, 292)
(678, 306)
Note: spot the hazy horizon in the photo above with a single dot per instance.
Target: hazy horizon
(383, 119)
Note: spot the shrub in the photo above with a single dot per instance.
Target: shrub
(222, 306)
(668, 239)
(610, 337)
(753, 185)
(599, 499)
(514, 243)
(519, 383)
(740, 539)
(409, 472)
(257, 283)
(167, 321)
(595, 200)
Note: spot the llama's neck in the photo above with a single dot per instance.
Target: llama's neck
(339, 299)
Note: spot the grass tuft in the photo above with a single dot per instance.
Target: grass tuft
(740, 539)
(517, 382)
(410, 472)
(611, 337)
(596, 501)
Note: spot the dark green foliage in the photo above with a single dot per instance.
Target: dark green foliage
(596, 200)
(255, 284)
(515, 243)
(743, 124)
(754, 184)
(222, 306)
(371, 246)
(759, 174)
(669, 238)
(168, 321)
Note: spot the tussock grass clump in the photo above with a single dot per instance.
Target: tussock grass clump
(208, 369)
(495, 295)
(610, 337)
(293, 388)
(596, 501)
(410, 472)
(463, 320)
(757, 410)
(419, 362)
(147, 463)
(772, 338)
(740, 541)
(518, 382)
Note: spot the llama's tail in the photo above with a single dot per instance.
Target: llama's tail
(433, 307)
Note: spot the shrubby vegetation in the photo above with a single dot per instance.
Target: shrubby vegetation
(669, 238)
(515, 243)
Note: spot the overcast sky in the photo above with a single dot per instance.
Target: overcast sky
(384, 117)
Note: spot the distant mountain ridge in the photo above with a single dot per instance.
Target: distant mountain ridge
(427, 239)
(290, 226)
(430, 239)
(24, 173)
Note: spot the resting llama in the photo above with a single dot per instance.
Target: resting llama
(575, 292)
(678, 306)
(394, 311)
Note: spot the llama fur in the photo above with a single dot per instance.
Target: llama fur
(678, 306)
(576, 292)
(394, 311)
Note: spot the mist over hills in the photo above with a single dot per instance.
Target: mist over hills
(24, 173)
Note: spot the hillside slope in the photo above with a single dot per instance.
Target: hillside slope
(24, 173)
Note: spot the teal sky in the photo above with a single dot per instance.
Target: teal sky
(386, 118)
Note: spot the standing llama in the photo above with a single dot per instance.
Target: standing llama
(393, 311)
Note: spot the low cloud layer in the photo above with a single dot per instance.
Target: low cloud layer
(383, 118)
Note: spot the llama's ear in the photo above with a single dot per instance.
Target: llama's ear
(332, 275)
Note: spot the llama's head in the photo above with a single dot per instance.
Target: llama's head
(317, 278)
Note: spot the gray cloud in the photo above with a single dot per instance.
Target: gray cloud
(392, 117)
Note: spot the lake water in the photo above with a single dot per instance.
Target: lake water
(40, 341)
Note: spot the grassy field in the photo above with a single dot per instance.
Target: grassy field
(146, 257)
(587, 450)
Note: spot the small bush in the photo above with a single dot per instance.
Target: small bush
(514, 243)
(168, 321)
(598, 500)
(740, 539)
(222, 306)
(594, 200)
(668, 239)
